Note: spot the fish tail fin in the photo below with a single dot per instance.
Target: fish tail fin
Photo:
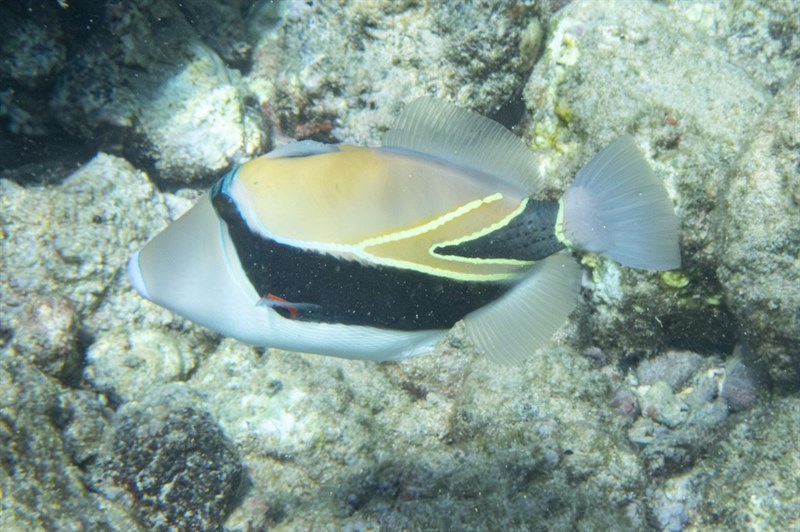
(618, 207)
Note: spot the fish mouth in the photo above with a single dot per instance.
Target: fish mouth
(135, 275)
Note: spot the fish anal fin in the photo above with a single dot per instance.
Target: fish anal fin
(512, 328)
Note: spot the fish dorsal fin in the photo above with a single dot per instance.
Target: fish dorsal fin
(444, 131)
(301, 148)
(511, 328)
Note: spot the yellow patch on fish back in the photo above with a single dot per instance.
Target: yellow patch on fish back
(381, 207)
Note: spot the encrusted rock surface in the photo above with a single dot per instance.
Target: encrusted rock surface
(169, 456)
(759, 234)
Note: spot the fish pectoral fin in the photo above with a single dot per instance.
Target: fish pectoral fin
(511, 328)
(287, 309)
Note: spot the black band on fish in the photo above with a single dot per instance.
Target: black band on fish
(377, 296)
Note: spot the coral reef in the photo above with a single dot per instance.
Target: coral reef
(667, 402)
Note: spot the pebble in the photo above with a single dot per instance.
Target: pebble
(674, 367)
(739, 389)
(660, 404)
(46, 335)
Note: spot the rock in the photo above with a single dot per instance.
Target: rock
(678, 429)
(149, 87)
(127, 364)
(411, 445)
(644, 431)
(704, 388)
(45, 447)
(170, 459)
(222, 27)
(345, 82)
(85, 417)
(679, 450)
(32, 48)
(70, 242)
(45, 332)
(409, 433)
(212, 130)
(624, 402)
(761, 37)
(671, 516)
(758, 229)
(64, 250)
(751, 477)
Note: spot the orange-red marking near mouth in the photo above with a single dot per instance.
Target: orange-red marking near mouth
(285, 304)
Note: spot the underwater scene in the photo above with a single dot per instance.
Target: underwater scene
(377, 265)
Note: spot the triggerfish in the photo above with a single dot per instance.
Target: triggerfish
(375, 253)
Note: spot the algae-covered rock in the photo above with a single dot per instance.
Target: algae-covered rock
(45, 333)
(347, 78)
(740, 389)
(31, 47)
(762, 36)
(359, 444)
(195, 125)
(673, 367)
(689, 411)
(758, 229)
(448, 441)
(660, 404)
